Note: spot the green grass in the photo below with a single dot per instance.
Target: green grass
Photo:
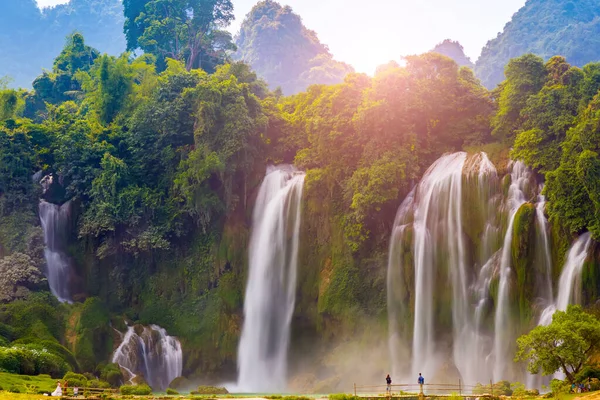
(27, 384)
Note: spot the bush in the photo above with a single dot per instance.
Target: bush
(112, 374)
(14, 389)
(342, 396)
(172, 391)
(181, 384)
(557, 386)
(210, 390)
(74, 379)
(31, 361)
(138, 390)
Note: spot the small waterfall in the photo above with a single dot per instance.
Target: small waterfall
(569, 284)
(271, 289)
(55, 220)
(502, 338)
(150, 352)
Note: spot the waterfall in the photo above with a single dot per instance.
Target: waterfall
(150, 352)
(449, 230)
(55, 224)
(271, 288)
(543, 256)
(396, 287)
(502, 337)
(437, 223)
(569, 282)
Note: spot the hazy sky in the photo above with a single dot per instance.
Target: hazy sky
(366, 34)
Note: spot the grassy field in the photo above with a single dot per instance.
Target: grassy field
(26, 384)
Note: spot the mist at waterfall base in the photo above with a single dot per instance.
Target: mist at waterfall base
(271, 287)
(148, 352)
(55, 224)
(450, 252)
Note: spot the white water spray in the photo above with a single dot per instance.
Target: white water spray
(55, 220)
(271, 289)
(151, 353)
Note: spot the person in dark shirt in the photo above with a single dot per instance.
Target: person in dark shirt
(388, 380)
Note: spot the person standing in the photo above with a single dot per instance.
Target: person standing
(58, 392)
(421, 380)
(388, 380)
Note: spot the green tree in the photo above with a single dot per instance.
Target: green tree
(566, 344)
(184, 30)
(525, 76)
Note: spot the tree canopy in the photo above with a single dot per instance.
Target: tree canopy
(566, 344)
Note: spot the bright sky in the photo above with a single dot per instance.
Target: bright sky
(368, 34)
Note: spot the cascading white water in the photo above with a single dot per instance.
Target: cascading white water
(569, 282)
(455, 219)
(396, 284)
(520, 176)
(543, 257)
(271, 289)
(55, 220)
(152, 353)
(437, 223)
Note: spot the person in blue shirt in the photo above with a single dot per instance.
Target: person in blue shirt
(421, 379)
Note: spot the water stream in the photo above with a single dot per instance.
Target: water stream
(271, 288)
(55, 223)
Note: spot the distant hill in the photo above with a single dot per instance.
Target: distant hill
(455, 51)
(274, 41)
(570, 28)
(30, 38)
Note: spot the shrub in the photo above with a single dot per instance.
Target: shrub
(112, 374)
(172, 391)
(343, 396)
(31, 361)
(210, 390)
(181, 384)
(138, 390)
(74, 379)
(557, 386)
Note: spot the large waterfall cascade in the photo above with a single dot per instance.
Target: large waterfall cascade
(502, 338)
(55, 224)
(271, 288)
(456, 226)
(151, 353)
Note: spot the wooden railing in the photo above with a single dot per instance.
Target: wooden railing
(86, 392)
(429, 389)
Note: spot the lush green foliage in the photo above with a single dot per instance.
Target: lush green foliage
(275, 43)
(566, 344)
(183, 30)
(545, 28)
(30, 38)
(138, 390)
(30, 360)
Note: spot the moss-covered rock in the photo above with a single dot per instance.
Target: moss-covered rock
(523, 255)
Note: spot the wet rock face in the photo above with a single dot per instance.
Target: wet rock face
(52, 189)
